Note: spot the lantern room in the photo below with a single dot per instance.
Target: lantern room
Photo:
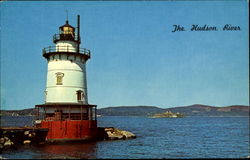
(67, 29)
(66, 32)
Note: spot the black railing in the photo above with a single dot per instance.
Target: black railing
(69, 49)
(70, 37)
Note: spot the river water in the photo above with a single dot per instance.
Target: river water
(188, 137)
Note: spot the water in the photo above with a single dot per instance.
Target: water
(189, 137)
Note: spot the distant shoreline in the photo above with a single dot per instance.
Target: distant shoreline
(196, 110)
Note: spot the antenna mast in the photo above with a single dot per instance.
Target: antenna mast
(78, 32)
(67, 15)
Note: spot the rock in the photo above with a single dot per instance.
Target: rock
(110, 129)
(26, 141)
(26, 133)
(6, 138)
(31, 135)
(128, 134)
(2, 140)
(115, 135)
(111, 133)
(8, 143)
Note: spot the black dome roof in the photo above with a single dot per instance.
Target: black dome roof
(67, 25)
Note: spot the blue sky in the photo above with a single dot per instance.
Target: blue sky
(136, 58)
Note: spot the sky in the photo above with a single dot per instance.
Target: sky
(136, 58)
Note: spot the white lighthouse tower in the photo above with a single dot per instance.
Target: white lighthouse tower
(66, 111)
(66, 77)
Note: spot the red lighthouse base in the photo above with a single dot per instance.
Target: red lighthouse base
(70, 130)
(68, 122)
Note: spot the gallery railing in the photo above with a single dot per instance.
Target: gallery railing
(69, 49)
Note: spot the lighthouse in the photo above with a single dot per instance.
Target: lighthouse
(66, 111)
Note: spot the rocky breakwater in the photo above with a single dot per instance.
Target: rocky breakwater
(12, 137)
(5, 143)
(111, 133)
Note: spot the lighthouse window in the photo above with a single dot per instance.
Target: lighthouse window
(59, 77)
(79, 94)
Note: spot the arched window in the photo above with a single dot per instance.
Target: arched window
(59, 78)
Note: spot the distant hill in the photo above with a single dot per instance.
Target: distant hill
(130, 111)
(192, 110)
(24, 112)
(204, 110)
